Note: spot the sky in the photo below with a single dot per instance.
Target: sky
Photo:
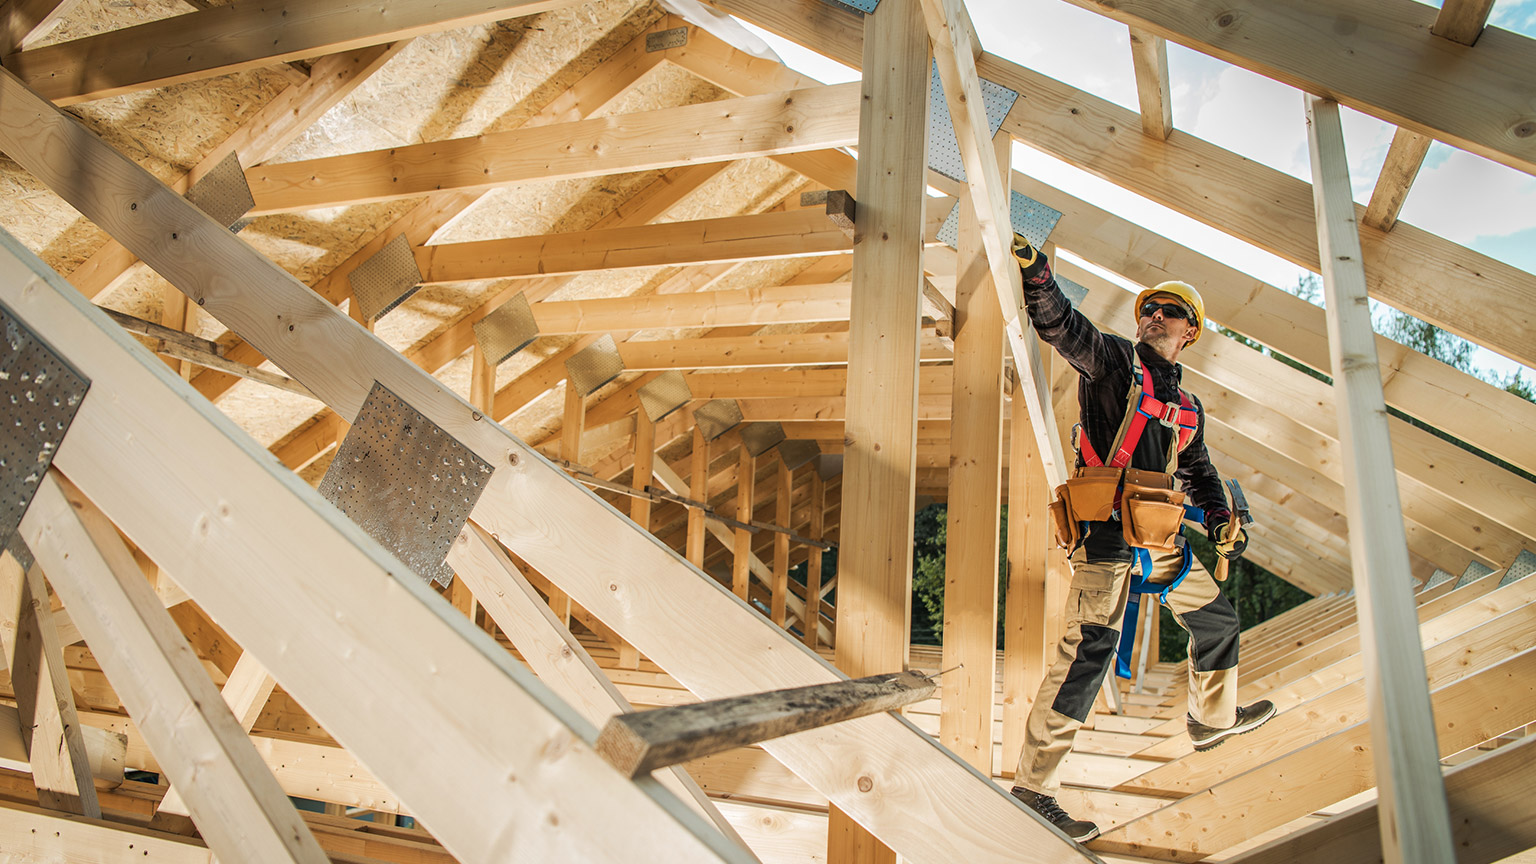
(1467, 199)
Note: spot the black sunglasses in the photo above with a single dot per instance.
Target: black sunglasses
(1169, 310)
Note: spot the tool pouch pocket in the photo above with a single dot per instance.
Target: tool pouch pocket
(1151, 511)
(1090, 496)
(1063, 527)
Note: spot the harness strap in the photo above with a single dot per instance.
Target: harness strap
(1141, 406)
(1140, 585)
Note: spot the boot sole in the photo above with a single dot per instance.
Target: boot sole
(1222, 736)
(1090, 836)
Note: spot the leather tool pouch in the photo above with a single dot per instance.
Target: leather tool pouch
(1151, 511)
(1088, 497)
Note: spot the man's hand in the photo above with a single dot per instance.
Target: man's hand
(1032, 262)
(1227, 547)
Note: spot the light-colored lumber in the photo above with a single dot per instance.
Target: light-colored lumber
(240, 35)
(810, 616)
(1462, 20)
(22, 21)
(782, 304)
(1408, 775)
(782, 490)
(630, 581)
(810, 119)
(741, 545)
(1149, 59)
(1404, 158)
(698, 490)
(236, 804)
(975, 462)
(245, 692)
(35, 834)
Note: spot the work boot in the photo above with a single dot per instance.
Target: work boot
(1249, 718)
(1047, 807)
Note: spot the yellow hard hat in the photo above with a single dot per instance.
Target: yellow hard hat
(1184, 291)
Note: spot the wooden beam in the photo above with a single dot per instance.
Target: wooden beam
(810, 615)
(235, 802)
(22, 21)
(730, 352)
(698, 490)
(1397, 174)
(1149, 59)
(1462, 20)
(241, 35)
(620, 580)
(1402, 731)
(45, 835)
(975, 462)
(246, 693)
(727, 130)
(990, 199)
(782, 304)
(746, 476)
(782, 490)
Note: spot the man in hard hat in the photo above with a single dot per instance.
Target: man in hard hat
(1139, 433)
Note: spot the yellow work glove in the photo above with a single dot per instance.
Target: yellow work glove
(1032, 262)
(1227, 547)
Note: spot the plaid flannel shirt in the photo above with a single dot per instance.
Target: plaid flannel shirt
(1104, 365)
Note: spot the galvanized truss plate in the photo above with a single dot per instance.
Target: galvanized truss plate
(1029, 217)
(406, 482)
(865, 6)
(507, 330)
(762, 436)
(1075, 293)
(595, 365)
(664, 394)
(797, 452)
(829, 465)
(1439, 577)
(1523, 565)
(661, 40)
(39, 395)
(223, 193)
(18, 549)
(717, 417)
(943, 148)
(1475, 571)
(386, 279)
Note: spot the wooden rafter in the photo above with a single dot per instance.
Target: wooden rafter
(1149, 58)
(1404, 158)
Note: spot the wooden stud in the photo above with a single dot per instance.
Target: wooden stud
(781, 500)
(746, 478)
(246, 693)
(1408, 774)
(698, 490)
(1026, 636)
(1149, 58)
(810, 616)
(1462, 20)
(1404, 158)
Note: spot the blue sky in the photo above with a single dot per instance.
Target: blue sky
(1465, 198)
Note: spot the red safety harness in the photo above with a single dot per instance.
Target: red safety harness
(1142, 406)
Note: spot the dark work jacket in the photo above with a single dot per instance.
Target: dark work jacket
(1103, 363)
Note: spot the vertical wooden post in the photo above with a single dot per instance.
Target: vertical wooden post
(645, 468)
(741, 559)
(482, 395)
(1415, 819)
(975, 481)
(875, 558)
(573, 424)
(1027, 633)
(812, 623)
(781, 500)
(698, 490)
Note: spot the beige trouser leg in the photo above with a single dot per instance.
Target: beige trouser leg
(1095, 609)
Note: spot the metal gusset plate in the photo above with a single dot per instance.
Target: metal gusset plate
(595, 365)
(865, 6)
(943, 147)
(716, 417)
(661, 40)
(223, 194)
(39, 396)
(829, 465)
(1439, 577)
(797, 452)
(762, 436)
(1523, 565)
(1029, 217)
(664, 394)
(507, 330)
(388, 278)
(1075, 293)
(1475, 571)
(18, 549)
(406, 482)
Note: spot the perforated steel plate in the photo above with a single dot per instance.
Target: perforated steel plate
(717, 417)
(1439, 577)
(829, 465)
(1028, 216)
(507, 330)
(943, 147)
(386, 279)
(865, 6)
(39, 395)
(661, 40)
(796, 452)
(595, 365)
(1075, 292)
(223, 193)
(1523, 565)
(762, 436)
(664, 394)
(20, 552)
(1475, 571)
(406, 482)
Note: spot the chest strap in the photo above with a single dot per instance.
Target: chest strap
(1142, 406)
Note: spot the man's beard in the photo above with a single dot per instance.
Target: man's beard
(1159, 340)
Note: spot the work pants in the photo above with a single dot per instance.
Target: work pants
(1095, 612)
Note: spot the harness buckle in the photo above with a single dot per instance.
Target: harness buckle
(1170, 416)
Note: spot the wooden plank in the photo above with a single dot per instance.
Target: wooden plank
(780, 304)
(810, 615)
(698, 490)
(1397, 174)
(990, 199)
(810, 119)
(920, 785)
(1462, 20)
(42, 835)
(237, 805)
(782, 490)
(242, 35)
(741, 548)
(1408, 775)
(646, 741)
(23, 21)
(975, 460)
(246, 693)
(1149, 60)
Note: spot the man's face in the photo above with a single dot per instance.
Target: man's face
(1163, 331)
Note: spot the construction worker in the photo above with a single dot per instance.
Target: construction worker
(1121, 508)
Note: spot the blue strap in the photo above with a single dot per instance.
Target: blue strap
(1139, 586)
